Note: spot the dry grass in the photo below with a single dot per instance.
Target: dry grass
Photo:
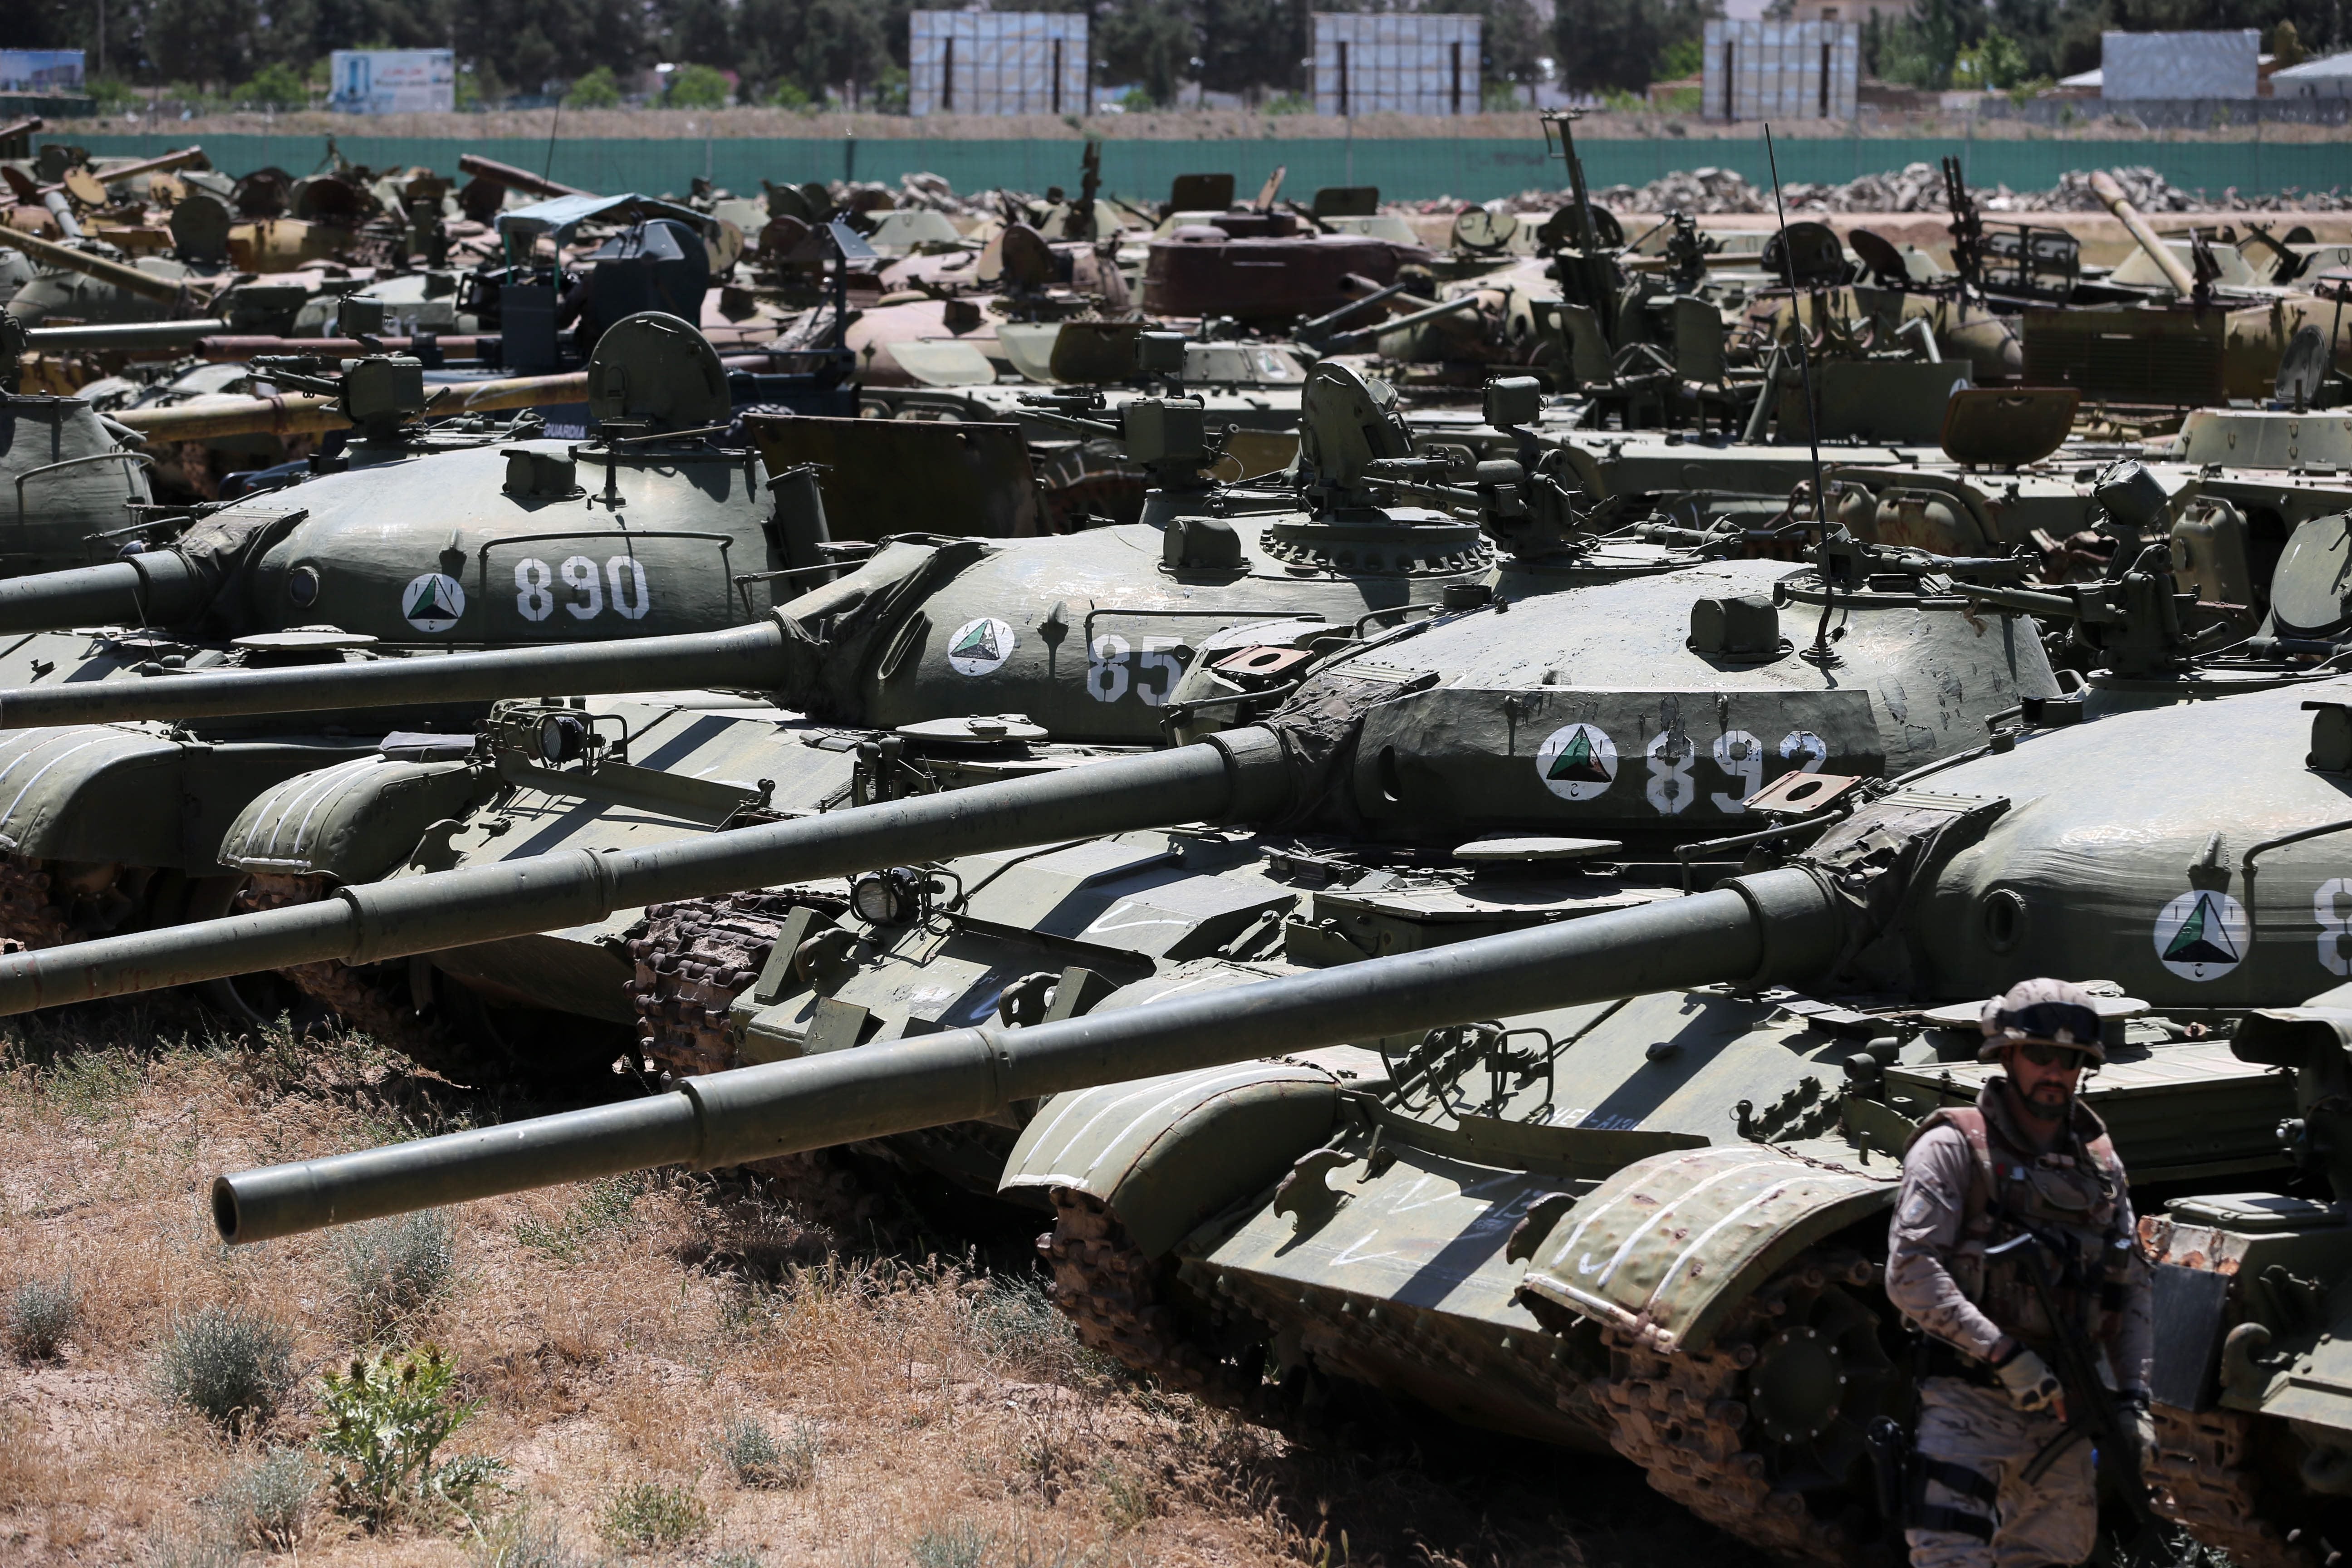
(623, 1337)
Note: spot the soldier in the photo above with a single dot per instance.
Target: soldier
(2027, 1152)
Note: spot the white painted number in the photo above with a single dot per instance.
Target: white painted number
(532, 597)
(580, 575)
(1106, 674)
(2335, 925)
(1671, 756)
(535, 579)
(1805, 748)
(630, 595)
(1156, 657)
(1742, 757)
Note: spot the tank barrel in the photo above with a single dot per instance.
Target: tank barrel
(128, 335)
(739, 658)
(515, 179)
(1239, 776)
(159, 587)
(161, 163)
(296, 413)
(1771, 928)
(130, 279)
(2104, 186)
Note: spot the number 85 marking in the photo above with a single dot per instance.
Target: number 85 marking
(535, 580)
(1107, 677)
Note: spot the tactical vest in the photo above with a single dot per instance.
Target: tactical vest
(2072, 1196)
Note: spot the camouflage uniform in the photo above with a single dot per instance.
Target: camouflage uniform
(1963, 1173)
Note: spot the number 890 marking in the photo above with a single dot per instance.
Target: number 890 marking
(535, 582)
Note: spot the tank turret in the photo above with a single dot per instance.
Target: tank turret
(1085, 635)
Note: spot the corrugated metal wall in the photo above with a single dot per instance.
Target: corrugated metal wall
(1405, 169)
(1780, 70)
(2180, 65)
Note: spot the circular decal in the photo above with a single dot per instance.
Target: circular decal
(433, 603)
(1578, 763)
(978, 646)
(2201, 935)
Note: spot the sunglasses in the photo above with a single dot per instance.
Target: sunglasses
(2051, 1056)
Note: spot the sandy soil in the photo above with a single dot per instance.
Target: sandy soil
(612, 1332)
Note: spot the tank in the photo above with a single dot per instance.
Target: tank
(1084, 635)
(1623, 1180)
(485, 550)
(76, 488)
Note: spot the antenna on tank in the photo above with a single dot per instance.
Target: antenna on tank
(1805, 377)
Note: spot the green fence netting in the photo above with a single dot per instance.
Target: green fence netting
(1405, 169)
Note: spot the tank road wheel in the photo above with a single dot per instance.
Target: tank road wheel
(46, 903)
(1761, 1434)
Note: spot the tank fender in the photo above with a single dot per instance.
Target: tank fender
(1665, 1249)
(1165, 1153)
(355, 822)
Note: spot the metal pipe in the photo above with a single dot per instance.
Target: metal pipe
(1444, 308)
(130, 279)
(739, 658)
(1776, 926)
(2176, 272)
(226, 348)
(521, 179)
(1240, 775)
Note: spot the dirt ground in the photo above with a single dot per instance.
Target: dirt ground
(614, 1333)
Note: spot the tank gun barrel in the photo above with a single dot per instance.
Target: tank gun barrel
(1773, 927)
(163, 163)
(2104, 186)
(297, 413)
(1403, 323)
(130, 279)
(738, 658)
(515, 179)
(128, 334)
(157, 587)
(1238, 776)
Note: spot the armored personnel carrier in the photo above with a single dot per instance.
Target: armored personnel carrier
(1623, 1179)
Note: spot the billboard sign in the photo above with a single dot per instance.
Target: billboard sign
(394, 81)
(1398, 62)
(55, 73)
(996, 62)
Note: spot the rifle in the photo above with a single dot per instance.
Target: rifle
(2091, 1409)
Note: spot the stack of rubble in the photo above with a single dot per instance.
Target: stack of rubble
(1915, 188)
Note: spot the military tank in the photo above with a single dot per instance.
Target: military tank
(76, 483)
(1623, 1179)
(500, 542)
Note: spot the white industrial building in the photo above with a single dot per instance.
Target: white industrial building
(996, 62)
(1395, 62)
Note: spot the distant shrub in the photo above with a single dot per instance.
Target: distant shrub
(598, 90)
(270, 1502)
(650, 1515)
(394, 1268)
(759, 1458)
(41, 1317)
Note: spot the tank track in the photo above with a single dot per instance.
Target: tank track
(1681, 1417)
(375, 1002)
(2203, 1474)
(32, 914)
(693, 960)
(1118, 1300)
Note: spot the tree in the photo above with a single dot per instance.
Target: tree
(1607, 46)
(1149, 44)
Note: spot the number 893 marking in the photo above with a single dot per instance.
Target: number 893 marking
(1109, 678)
(535, 583)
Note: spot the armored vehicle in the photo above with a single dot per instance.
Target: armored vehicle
(76, 488)
(1622, 1179)
(497, 539)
